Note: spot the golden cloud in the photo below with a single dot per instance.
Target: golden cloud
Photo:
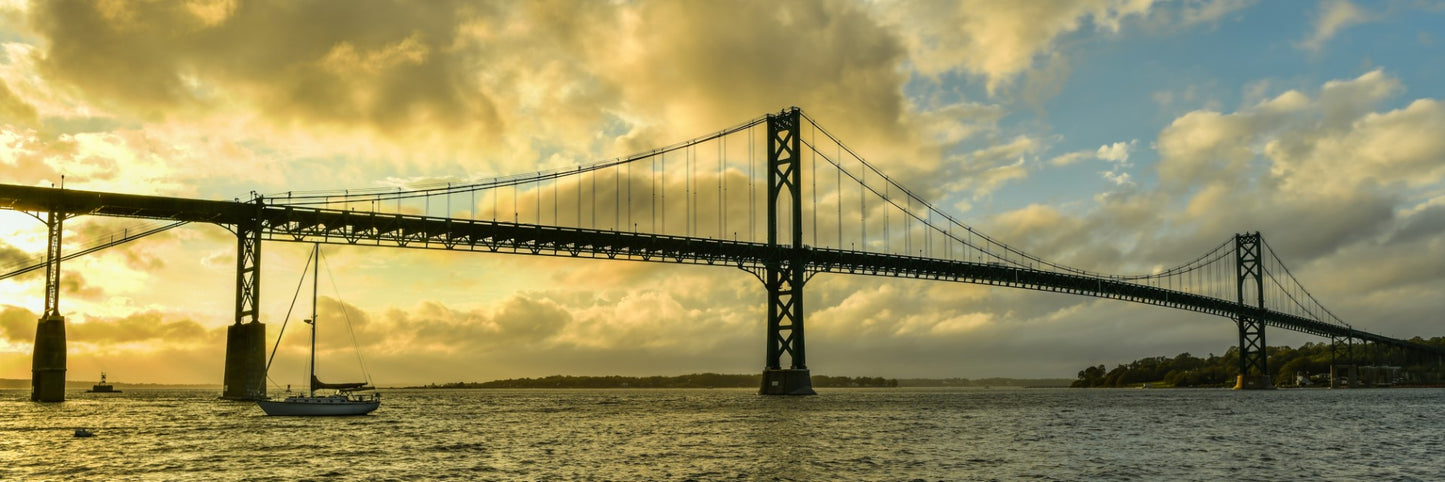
(998, 40)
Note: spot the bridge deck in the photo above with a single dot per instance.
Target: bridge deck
(304, 224)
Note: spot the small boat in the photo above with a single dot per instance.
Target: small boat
(80, 432)
(102, 387)
(345, 400)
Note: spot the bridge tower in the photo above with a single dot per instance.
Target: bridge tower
(1346, 370)
(785, 268)
(1249, 267)
(245, 375)
(47, 362)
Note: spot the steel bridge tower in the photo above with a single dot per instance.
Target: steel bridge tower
(1249, 267)
(245, 372)
(785, 269)
(47, 361)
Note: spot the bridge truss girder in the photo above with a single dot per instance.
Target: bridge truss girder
(310, 225)
(344, 227)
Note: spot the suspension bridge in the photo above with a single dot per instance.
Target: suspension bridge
(735, 198)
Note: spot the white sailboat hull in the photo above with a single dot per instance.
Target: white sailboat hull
(318, 406)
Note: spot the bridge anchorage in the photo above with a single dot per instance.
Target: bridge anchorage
(895, 233)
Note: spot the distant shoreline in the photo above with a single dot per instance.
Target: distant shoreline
(714, 380)
(19, 383)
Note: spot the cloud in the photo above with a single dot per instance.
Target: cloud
(1117, 152)
(144, 328)
(13, 257)
(997, 40)
(1322, 176)
(141, 329)
(381, 64)
(14, 110)
(24, 155)
(1421, 223)
(1070, 158)
(1210, 11)
(396, 91)
(1333, 17)
(985, 170)
(17, 325)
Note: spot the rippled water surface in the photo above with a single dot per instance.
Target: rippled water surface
(881, 434)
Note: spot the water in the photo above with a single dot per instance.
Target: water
(862, 434)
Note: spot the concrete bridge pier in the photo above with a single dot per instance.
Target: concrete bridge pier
(245, 377)
(787, 381)
(47, 363)
(1253, 382)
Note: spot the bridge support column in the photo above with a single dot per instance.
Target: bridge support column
(785, 334)
(1343, 369)
(245, 376)
(47, 362)
(785, 272)
(1253, 363)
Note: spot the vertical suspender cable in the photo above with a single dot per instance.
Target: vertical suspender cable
(726, 199)
(814, 178)
(687, 191)
(663, 181)
(720, 202)
(652, 177)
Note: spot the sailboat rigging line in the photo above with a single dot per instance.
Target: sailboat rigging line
(284, 321)
(315, 280)
(345, 313)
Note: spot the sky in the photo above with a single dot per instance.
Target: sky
(1110, 135)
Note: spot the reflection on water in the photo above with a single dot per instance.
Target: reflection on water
(862, 434)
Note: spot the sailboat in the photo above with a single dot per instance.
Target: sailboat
(343, 401)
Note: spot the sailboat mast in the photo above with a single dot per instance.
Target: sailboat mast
(315, 280)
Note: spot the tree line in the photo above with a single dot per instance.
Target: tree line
(1311, 360)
